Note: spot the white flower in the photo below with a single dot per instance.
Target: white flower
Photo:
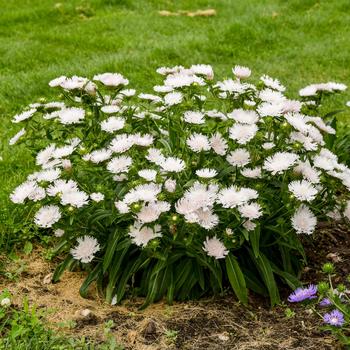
(271, 96)
(198, 142)
(111, 79)
(151, 211)
(71, 115)
(194, 117)
(86, 249)
(169, 70)
(122, 207)
(146, 193)
(15, 138)
(99, 155)
(155, 156)
(63, 151)
(249, 225)
(28, 189)
(216, 114)
(272, 83)
(324, 162)
(268, 145)
(141, 235)
(45, 175)
(173, 98)
(307, 91)
(54, 105)
(45, 155)
(241, 72)
(62, 186)
(239, 157)
(303, 220)
(303, 190)
(97, 196)
(307, 142)
(148, 174)
(318, 121)
(308, 172)
(250, 211)
(57, 81)
(291, 106)
(162, 88)
(252, 173)
(142, 140)
(181, 79)
(196, 197)
(110, 109)
(119, 164)
(243, 133)
(120, 178)
(172, 164)
(74, 83)
(153, 98)
(266, 109)
(280, 162)
(47, 215)
(244, 116)
(74, 198)
(348, 104)
(203, 217)
(298, 121)
(128, 92)
(233, 196)
(5, 302)
(218, 144)
(23, 116)
(121, 143)
(58, 232)
(233, 86)
(170, 185)
(206, 173)
(313, 89)
(215, 248)
(203, 69)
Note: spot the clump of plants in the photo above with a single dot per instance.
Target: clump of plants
(180, 193)
(328, 301)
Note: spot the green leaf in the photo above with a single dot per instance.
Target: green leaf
(111, 247)
(28, 247)
(254, 240)
(61, 267)
(92, 276)
(236, 278)
(265, 269)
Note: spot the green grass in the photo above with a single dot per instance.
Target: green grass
(298, 41)
(25, 328)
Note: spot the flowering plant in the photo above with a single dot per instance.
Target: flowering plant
(182, 192)
(328, 301)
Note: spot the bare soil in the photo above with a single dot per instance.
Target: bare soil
(218, 323)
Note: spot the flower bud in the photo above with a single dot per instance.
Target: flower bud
(323, 287)
(328, 268)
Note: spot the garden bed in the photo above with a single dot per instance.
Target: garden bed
(219, 323)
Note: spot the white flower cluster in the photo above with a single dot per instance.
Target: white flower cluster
(196, 166)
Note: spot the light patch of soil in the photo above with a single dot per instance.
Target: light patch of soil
(219, 323)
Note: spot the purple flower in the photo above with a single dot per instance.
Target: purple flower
(325, 302)
(301, 294)
(334, 318)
